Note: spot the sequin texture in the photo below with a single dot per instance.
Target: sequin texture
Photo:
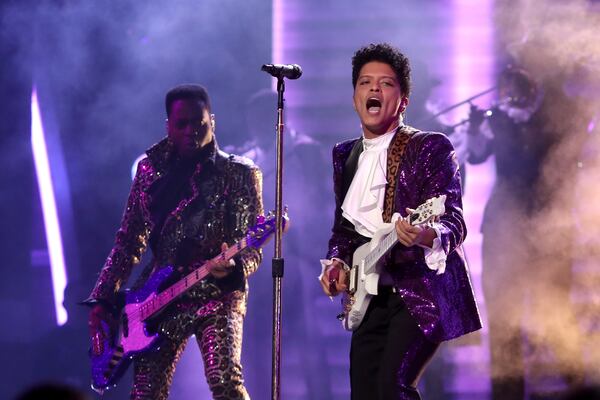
(442, 305)
(221, 202)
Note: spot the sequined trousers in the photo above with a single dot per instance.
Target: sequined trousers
(218, 327)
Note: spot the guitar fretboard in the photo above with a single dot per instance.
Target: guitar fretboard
(155, 304)
(383, 247)
(389, 241)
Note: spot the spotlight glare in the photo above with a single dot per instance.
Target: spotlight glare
(49, 210)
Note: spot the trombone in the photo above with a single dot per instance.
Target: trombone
(515, 86)
(452, 107)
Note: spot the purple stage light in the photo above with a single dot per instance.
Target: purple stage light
(51, 223)
(277, 33)
(473, 70)
(472, 63)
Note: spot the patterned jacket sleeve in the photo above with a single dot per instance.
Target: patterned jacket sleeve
(130, 243)
(441, 175)
(343, 241)
(245, 204)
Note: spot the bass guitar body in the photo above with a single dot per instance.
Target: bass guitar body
(133, 337)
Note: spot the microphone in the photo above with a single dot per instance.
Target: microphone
(290, 71)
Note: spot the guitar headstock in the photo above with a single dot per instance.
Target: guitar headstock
(260, 233)
(429, 210)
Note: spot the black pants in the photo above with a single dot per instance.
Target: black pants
(388, 352)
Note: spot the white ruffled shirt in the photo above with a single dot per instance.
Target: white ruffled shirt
(363, 204)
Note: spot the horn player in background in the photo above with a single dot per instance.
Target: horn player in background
(526, 243)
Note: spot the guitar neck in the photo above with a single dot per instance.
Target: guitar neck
(382, 248)
(387, 243)
(154, 304)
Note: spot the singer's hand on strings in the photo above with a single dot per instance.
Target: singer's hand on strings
(412, 235)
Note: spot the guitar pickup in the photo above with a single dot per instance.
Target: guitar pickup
(352, 285)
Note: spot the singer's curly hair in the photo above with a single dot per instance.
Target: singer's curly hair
(190, 91)
(385, 53)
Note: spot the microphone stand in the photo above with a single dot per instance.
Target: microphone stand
(278, 261)
(279, 71)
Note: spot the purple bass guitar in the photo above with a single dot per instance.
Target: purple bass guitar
(111, 356)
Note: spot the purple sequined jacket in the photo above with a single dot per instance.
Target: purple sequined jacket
(222, 200)
(443, 305)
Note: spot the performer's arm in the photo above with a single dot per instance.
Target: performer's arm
(245, 205)
(130, 243)
(479, 137)
(342, 242)
(441, 176)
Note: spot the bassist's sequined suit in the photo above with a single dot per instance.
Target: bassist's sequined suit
(184, 213)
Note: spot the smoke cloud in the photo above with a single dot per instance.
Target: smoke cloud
(557, 42)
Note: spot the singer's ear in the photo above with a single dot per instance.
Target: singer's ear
(403, 104)
(167, 124)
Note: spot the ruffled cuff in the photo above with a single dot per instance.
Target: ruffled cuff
(435, 257)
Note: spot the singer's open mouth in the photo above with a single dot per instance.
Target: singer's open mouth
(373, 105)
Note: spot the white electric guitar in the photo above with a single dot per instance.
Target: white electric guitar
(364, 274)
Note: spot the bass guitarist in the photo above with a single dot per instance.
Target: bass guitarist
(424, 295)
(187, 201)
